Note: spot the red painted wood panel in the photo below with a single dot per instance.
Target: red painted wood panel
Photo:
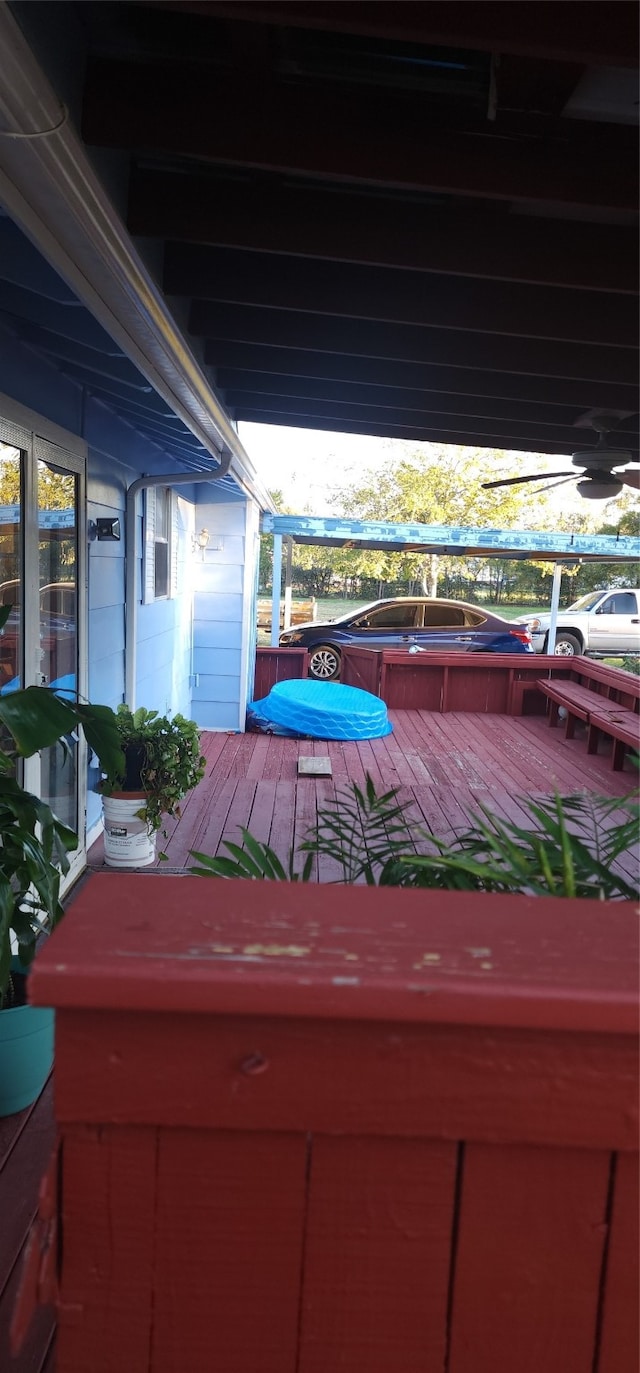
(229, 1232)
(619, 1349)
(108, 1203)
(483, 684)
(452, 1082)
(361, 668)
(377, 1256)
(414, 684)
(529, 1256)
(278, 665)
(27, 1141)
(407, 955)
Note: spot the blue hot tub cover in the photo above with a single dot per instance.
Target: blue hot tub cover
(320, 710)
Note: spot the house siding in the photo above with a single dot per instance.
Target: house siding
(175, 638)
(221, 631)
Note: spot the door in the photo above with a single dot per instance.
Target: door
(614, 628)
(43, 577)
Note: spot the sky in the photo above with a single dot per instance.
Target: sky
(311, 467)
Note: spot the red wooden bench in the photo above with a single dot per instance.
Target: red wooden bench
(601, 714)
(623, 726)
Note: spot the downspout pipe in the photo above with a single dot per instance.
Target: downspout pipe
(131, 600)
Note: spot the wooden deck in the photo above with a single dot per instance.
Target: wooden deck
(444, 766)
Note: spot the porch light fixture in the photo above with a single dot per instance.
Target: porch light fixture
(200, 541)
(104, 529)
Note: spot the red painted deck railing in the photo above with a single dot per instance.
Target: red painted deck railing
(486, 683)
(311, 1129)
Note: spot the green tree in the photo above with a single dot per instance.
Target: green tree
(442, 485)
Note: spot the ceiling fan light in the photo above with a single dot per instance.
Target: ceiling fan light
(601, 490)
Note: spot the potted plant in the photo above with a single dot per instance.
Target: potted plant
(34, 846)
(162, 763)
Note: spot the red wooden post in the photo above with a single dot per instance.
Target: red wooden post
(317, 1128)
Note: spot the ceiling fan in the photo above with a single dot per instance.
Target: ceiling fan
(597, 478)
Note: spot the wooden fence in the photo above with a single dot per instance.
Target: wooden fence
(301, 611)
(386, 1131)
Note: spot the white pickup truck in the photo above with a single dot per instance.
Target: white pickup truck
(603, 624)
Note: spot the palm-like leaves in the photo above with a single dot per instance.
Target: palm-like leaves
(255, 860)
(571, 849)
(33, 843)
(361, 831)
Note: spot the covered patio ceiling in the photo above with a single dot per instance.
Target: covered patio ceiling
(407, 220)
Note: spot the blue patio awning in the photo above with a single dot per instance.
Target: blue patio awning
(549, 545)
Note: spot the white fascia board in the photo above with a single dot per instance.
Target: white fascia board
(50, 189)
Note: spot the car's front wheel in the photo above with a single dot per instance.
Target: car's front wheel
(324, 663)
(567, 645)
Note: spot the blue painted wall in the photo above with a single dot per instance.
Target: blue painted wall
(168, 655)
(222, 615)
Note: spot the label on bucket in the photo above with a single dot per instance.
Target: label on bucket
(127, 839)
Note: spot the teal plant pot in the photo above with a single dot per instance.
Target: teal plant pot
(26, 1055)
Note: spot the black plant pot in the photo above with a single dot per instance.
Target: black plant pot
(134, 755)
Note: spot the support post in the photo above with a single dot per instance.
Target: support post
(287, 582)
(275, 592)
(555, 601)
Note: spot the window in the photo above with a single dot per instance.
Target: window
(390, 617)
(443, 616)
(160, 544)
(623, 603)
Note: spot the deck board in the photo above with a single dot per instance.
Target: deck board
(445, 766)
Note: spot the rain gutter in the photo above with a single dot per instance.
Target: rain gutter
(50, 189)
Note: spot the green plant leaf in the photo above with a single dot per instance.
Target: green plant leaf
(36, 718)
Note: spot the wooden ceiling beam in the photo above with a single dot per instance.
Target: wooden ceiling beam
(391, 142)
(353, 291)
(236, 384)
(606, 34)
(222, 354)
(477, 428)
(378, 231)
(378, 429)
(412, 343)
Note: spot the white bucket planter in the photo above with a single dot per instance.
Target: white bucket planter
(127, 841)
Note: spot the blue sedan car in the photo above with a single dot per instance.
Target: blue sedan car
(408, 622)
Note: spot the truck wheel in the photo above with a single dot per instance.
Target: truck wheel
(567, 645)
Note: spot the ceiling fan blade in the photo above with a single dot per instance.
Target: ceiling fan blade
(563, 481)
(514, 481)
